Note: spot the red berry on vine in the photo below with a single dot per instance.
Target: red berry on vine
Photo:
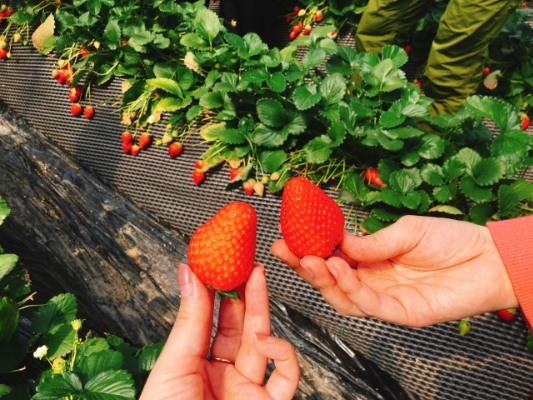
(73, 97)
(88, 112)
(296, 10)
(175, 149)
(248, 187)
(144, 140)
(486, 71)
(127, 137)
(76, 109)
(198, 176)
(318, 16)
(233, 173)
(126, 147)
(135, 149)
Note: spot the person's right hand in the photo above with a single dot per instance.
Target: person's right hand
(419, 271)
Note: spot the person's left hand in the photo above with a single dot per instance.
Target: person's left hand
(235, 366)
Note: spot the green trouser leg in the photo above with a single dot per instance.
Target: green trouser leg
(388, 22)
(458, 53)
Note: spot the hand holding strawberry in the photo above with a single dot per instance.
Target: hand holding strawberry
(222, 251)
(311, 222)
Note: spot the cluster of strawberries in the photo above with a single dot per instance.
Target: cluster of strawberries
(300, 20)
(5, 12)
(129, 145)
(65, 75)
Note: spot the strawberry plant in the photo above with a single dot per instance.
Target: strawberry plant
(65, 362)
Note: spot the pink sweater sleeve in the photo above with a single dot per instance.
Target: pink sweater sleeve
(514, 240)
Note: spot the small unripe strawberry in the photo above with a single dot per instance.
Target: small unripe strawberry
(301, 13)
(464, 326)
(248, 186)
(3, 44)
(9, 55)
(167, 138)
(3, 7)
(264, 179)
(274, 176)
(96, 45)
(17, 37)
(318, 16)
(259, 188)
(55, 73)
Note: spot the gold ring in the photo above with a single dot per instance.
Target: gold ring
(224, 360)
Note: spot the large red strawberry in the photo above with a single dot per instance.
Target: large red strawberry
(144, 140)
(311, 222)
(222, 251)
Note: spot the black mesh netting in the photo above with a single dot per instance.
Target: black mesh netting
(491, 362)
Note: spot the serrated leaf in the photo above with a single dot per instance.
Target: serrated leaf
(207, 24)
(387, 215)
(56, 386)
(453, 168)
(161, 42)
(269, 137)
(387, 144)
(523, 189)
(432, 147)
(470, 159)
(253, 45)
(60, 309)
(231, 136)
(9, 317)
(397, 55)
(507, 201)
(371, 224)
(488, 171)
(318, 149)
(115, 385)
(432, 174)
(171, 104)
(4, 210)
(333, 89)
(112, 34)
(445, 193)
(385, 168)
(212, 100)
(409, 159)
(314, 57)
(168, 85)
(256, 75)
(7, 263)
(504, 115)
(401, 182)
(91, 346)
(193, 112)
(211, 132)
(15, 285)
(271, 113)
(149, 355)
(59, 340)
(411, 200)
(446, 209)
(306, 96)
(270, 161)
(474, 192)
(96, 363)
(390, 119)
(391, 197)
(194, 41)
(481, 213)
(277, 82)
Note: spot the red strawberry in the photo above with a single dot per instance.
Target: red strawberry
(296, 29)
(3, 54)
(234, 172)
(372, 176)
(507, 314)
(198, 176)
(198, 164)
(76, 109)
(144, 140)
(78, 89)
(486, 71)
(407, 49)
(248, 187)
(88, 112)
(135, 149)
(126, 147)
(288, 18)
(307, 29)
(525, 121)
(222, 251)
(292, 35)
(8, 12)
(296, 10)
(60, 78)
(175, 149)
(127, 137)
(418, 83)
(311, 222)
(319, 15)
(73, 97)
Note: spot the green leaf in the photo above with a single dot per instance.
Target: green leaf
(387, 144)
(446, 209)
(481, 213)
(96, 363)
(505, 116)
(314, 57)
(389, 119)
(194, 41)
(91, 346)
(510, 143)
(161, 42)
(277, 82)
(474, 192)
(60, 309)
(387, 214)
(212, 100)
(385, 168)
(7, 263)
(411, 200)
(256, 75)
(395, 53)
(446, 193)
(115, 385)
(207, 24)
(401, 182)
(432, 147)
(432, 174)
(469, 158)
(488, 171)
(112, 34)
(231, 136)
(94, 6)
(333, 89)
(391, 197)
(453, 168)
(171, 104)
(193, 113)
(149, 355)
(507, 201)
(269, 137)
(56, 386)
(4, 210)
(4, 390)
(168, 85)
(270, 161)
(306, 96)
(9, 318)
(211, 132)
(523, 189)
(271, 113)
(19, 392)
(318, 149)
(371, 224)
(60, 341)
(15, 284)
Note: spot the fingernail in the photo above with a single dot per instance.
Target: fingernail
(185, 280)
(307, 269)
(261, 337)
(332, 270)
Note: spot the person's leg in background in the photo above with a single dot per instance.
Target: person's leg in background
(388, 22)
(459, 51)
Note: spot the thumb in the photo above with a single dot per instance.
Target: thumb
(394, 240)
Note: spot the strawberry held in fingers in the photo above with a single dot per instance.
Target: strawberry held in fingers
(311, 222)
(222, 251)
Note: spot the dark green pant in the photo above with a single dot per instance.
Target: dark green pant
(458, 52)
